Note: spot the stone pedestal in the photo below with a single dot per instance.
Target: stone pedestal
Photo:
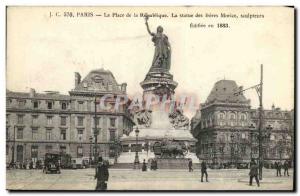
(157, 126)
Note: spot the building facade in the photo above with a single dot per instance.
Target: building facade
(51, 122)
(227, 133)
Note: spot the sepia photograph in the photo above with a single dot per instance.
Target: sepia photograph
(132, 98)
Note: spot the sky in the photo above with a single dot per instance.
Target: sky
(43, 52)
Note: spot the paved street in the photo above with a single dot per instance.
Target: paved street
(137, 180)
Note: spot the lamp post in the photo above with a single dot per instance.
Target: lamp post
(136, 158)
(251, 140)
(96, 132)
(259, 90)
(232, 148)
(91, 142)
(267, 137)
(13, 148)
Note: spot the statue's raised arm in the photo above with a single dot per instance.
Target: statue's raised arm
(148, 29)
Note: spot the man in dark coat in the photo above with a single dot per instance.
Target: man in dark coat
(253, 173)
(203, 171)
(101, 175)
(286, 168)
(276, 167)
(279, 165)
(144, 166)
(190, 165)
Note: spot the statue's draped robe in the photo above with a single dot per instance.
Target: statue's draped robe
(162, 54)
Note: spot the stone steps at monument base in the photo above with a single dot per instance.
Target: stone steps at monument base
(159, 166)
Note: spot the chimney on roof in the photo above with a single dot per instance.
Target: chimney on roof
(123, 87)
(77, 79)
(32, 92)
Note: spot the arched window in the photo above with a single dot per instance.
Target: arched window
(232, 116)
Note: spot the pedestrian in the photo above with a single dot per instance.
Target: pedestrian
(190, 165)
(276, 167)
(101, 175)
(279, 166)
(155, 164)
(253, 172)
(144, 166)
(204, 171)
(286, 168)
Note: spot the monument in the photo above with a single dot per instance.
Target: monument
(163, 130)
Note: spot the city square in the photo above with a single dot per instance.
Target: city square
(129, 179)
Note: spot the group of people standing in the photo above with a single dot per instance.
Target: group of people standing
(279, 166)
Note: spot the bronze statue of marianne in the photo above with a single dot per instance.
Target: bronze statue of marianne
(162, 54)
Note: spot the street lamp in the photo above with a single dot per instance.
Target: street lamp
(251, 139)
(232, 148)
(267, 136)
(136, 158)
(91, 142)
(259, 90)
(13, 148)
(96, 132)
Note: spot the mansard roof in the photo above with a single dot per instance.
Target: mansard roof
(224, 92)
(28, 95)
(97, 81)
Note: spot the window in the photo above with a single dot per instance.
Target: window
(34, 120)
(48, 134)
(80, 134)
(22, 103)
(48, 148)
(62, 149)
(255, 150)
(243, 150)
(97, 121)
(20, 133)
(221, 149)
(7, 149)
(7, 119)
(112, 135)
(49, 120)
(63, 120)
(20, 119)
(243, 117)
(232, 117)
(80, 105)
(112, 122)
(7, 133)
(79, 121)
(79, 151)
(34, 152)
(35, 133)
(35, 104)
(8, 102)
(243, 135)
(49, 105)
(63, 106)
(63, 134)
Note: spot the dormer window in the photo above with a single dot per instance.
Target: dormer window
(63, 106)
(49, 105)
(97, 79)
(35, 104)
